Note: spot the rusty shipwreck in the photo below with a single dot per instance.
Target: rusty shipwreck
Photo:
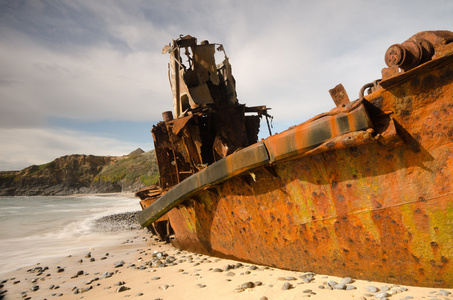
(364, 190)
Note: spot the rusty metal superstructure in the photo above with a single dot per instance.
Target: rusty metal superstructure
(364, 190)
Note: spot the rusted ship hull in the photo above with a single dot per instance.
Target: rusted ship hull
(373, 202)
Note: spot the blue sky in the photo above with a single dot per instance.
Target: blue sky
(88, 77)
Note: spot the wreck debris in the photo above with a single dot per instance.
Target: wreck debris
(363, 190)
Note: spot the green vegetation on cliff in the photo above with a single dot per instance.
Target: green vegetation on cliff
(79, 174)
(141, 167)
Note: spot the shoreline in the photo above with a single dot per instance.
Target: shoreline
(142, 266)
(119, 194)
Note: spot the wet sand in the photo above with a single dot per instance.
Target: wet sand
(144, 268)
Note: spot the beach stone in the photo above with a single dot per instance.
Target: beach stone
(231, 274)
(217, 270)
(385, 288)
(321, 287)
(444, 293)
(88, 255)
(339, 286)
(264, 298)
(346, 280)
(253, 267)
(289, 278)
(287, 286)
(139, 294)
(34, 288)
(201, 285)
(371, 289)
(120, 283)
(258, 283)
(350, 287)
(59, 270)
(332, 283)
(248, 285)
(164, 287)
(119, 264)
(404, 289)
(155, 278)
(362, 298)
(122, 289)
(308, 291)
(228, 267)
(382, 294)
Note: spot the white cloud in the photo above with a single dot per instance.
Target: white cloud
(90, 61)
(28, 146)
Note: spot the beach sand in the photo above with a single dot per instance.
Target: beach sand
(192, 276)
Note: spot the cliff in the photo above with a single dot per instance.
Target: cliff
(82, 174)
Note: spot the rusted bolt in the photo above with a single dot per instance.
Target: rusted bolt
(167, 116)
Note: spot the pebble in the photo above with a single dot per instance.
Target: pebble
(34, 288)
(350, 287)
(119, 264)
(139, 294)
(122, 289)
(346, 280)
(444, 293)
(217, 270)
(371, 289)
(248, 285)
(230, 274)
(332, 283)
(287, 286)
(339, 286)
(382, 294)
(385, 288)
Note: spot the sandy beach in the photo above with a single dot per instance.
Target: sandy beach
(144, 267)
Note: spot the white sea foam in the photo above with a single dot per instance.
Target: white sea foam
(36, 228)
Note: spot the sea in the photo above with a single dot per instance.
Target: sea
(33, 229)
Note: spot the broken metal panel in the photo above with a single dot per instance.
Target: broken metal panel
(195, 78)
(339, 95)
(204, 63)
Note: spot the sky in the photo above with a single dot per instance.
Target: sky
(88, 77)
